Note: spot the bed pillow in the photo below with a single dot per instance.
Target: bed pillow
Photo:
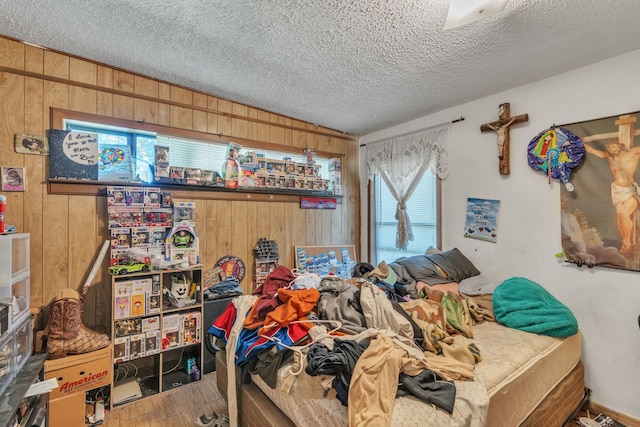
(478, 285)
(455, 264)
(421, 268)
(431, 250)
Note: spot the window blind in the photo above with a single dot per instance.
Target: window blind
(422, 210)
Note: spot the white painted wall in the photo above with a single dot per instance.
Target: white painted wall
(606, 302)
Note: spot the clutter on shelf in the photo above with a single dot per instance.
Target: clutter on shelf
(266, 258)
(325, 260)
(150, 231)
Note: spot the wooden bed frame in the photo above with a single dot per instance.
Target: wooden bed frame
(557, 409)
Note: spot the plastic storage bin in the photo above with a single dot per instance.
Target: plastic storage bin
(15, 256)
(17, 294)
(7, 371)
(5, 316)
(22, 341)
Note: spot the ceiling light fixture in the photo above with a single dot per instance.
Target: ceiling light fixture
(462, 12)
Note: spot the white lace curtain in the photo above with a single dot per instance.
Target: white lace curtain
(401, 161)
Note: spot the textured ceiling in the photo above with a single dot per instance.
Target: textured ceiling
(354, 66)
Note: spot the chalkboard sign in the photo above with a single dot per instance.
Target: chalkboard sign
(73, 155)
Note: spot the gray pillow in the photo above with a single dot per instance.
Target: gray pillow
(455, 264)
(420, 267)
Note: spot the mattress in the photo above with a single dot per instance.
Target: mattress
(521, 368)
(307, 406)
(518, 369)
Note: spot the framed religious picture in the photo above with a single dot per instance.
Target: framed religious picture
(31, 144)
(600, 219)
(12, 178)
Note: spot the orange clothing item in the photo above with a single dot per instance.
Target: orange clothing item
(296, 304)
(280, 278)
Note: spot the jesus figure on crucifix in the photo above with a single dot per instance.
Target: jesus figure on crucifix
(501, 127)
(501, 130)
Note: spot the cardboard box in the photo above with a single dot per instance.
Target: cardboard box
(121, 349)
(138, 302)
(153, 303)
(81, 372)
(150, 324)
(123, 287)
(140, 286)
(122, 328)
(190, 327)
(121, 306)
(136, 346)
(67, 411)
(171, 331)
(152, 342)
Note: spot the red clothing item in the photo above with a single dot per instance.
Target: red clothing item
(267, 300)
(296, 304)
(221, 327)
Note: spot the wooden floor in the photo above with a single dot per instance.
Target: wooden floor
(175, 408)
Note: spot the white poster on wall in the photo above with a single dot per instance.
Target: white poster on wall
(482, 219)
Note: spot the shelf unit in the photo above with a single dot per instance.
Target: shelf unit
(190, 192)
(14, 275)
(156, 329)
(15, 316)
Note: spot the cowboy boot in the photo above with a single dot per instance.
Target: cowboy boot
(67, 334)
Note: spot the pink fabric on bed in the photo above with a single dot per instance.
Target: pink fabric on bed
(443, 287)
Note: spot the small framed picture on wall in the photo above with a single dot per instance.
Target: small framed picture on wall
(31, 144)
(12, 178)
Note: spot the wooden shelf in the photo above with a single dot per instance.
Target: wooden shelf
(99, 188)
(164, 369)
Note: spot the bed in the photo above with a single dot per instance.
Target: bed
(523, 378)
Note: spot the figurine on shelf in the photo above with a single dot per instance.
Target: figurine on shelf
(181, 243)
(183, 239)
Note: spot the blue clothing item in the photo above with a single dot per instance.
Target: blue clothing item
(250, 343)
(227, 286)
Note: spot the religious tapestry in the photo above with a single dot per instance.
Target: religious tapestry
(600, 219)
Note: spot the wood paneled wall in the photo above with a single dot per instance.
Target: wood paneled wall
(67, 231)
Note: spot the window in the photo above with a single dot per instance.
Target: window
(117, 143)
(122, 151)
(422, 209)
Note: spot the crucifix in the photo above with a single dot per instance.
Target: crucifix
(501, 127)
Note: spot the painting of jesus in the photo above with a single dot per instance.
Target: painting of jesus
(600, 220)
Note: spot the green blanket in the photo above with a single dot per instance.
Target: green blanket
(522, 304)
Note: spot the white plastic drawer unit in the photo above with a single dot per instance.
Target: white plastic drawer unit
(23, 338)
(17, 295)
(14, 256)
(7, 371)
